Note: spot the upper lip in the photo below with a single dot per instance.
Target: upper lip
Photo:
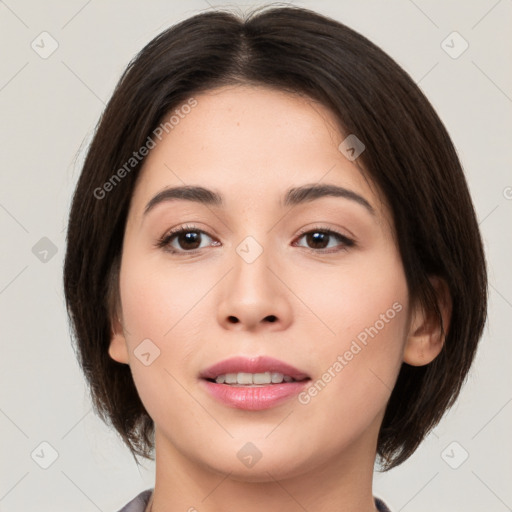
(259, 364)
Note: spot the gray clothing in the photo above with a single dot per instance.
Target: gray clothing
(140, 502)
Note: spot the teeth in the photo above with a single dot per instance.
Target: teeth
(259, 378)
(244, 378)
(230, 378)
(247, 379)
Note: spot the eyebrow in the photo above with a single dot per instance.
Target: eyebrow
(292, 197)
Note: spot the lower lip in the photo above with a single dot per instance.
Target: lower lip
(254, 398)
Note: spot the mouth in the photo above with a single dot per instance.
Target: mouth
(259, 370)
(253, 383)
(253, 379)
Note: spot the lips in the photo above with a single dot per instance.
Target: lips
(222, 382)
(259, 364)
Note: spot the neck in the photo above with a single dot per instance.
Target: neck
(342, 483)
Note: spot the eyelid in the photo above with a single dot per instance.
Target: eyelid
(323, 228)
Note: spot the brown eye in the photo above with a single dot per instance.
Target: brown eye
(321, 239)
(317, 240)
(188, 239)
(184, 239)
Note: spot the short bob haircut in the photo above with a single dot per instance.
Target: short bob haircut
(409, 157)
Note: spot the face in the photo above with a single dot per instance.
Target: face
(313, 280)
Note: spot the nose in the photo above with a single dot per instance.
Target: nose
(253, 296)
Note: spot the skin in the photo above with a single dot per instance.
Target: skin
(251, 144)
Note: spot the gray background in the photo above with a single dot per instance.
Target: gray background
(49, 108)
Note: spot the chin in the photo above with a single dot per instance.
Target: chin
(268, 468)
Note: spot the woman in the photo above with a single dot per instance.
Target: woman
(274, 270)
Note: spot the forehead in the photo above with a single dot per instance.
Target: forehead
(252, 144)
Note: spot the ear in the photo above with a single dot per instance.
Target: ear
(118, 349)
(425, 339)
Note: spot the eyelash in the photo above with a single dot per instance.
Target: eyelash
(164, 241)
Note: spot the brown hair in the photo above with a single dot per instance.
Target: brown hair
(409, 156)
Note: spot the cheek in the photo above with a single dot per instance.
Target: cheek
(157, 300)
(160, 305)
(361, 313)
(156, 306)
(355, 297)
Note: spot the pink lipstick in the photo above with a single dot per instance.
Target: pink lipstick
(254, 383)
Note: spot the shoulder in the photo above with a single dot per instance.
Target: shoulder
(139, 503)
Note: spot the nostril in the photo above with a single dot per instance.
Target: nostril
(233, 319)
(271, 318)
